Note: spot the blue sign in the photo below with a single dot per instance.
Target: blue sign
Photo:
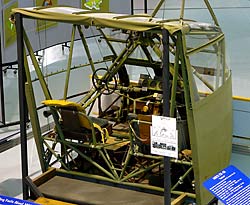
(6, 200)
(230, 186)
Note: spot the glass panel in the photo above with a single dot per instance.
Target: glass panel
(208, 68)
(232, 24)
(136, 72)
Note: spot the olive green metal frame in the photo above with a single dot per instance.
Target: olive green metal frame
(47, 145)
(42, 141)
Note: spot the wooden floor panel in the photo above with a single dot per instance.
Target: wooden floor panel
(82, 192)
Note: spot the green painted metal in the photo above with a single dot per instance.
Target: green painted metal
(101, 178)
(36, 129)
(225, 68)
(108, 41)
(125, 163)
(211, 12)
(69, 62)
(85, 44)
(29, 92)
(182, 11)
(158, 6)
(138, 171)
(212, 136)
(113, 69)
(205, 133)
(37, 68)
(180, 181)
(44, 88)
(202, 79)
(108, 161)
(184, 74)
(202, 47)
(93, 162)
(175, 77)
(56, 155)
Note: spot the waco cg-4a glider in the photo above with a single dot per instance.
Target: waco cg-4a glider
(150, 66)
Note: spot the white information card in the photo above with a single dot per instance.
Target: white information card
(164, 136)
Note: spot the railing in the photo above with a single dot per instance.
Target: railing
(241, 131)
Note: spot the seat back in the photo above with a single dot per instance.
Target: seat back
(70, 120)
(76, 125)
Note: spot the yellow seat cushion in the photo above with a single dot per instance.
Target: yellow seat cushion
(63, 103)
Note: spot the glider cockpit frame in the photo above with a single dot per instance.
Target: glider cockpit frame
(181, 89)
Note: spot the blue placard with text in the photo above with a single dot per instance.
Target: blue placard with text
(6, 200)
(230, 186)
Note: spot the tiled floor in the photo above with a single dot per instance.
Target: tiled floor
(10, 169)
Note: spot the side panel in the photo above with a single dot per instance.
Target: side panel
(211, 137)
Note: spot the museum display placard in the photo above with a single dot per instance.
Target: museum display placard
(230, 185)
(164, 136)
